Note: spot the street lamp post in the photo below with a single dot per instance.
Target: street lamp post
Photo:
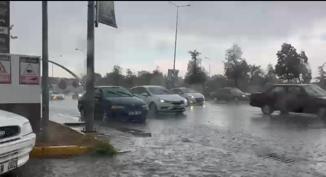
(176, 36)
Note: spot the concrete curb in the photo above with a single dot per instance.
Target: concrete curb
(59, 151)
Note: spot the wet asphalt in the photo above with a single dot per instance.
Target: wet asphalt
(217, 139)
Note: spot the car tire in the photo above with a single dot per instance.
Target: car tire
(267, 110)
(322, 113)
(152, 109)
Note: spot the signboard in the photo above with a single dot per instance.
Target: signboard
(4, 27)
(105, 13)
(29, 70)
(5, 70)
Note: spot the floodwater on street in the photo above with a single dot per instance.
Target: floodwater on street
(218, 139)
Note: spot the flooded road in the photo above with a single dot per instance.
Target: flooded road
(217, 139)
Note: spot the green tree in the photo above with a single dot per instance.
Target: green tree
(305, 71)
(130, 79)
(62, 84)
(322, 76)
(288, 63)
(235, 67)
(195, 73)
(115, 77)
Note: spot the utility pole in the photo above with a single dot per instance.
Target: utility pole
(175, 39)
(45, 67)
(89, 111)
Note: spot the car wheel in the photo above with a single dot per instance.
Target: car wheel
(267, 110)
(152, 109)
(322, 113)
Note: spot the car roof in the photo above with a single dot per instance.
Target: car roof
(147, 86)
(107, 86)
(291, 84)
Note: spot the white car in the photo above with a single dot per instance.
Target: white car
(160, 99)
(16, 141)
(57, 96)
(193, 97)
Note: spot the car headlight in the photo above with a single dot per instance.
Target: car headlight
(117, 107)
(26, 129)
(185, 101)
(162, 101)
(243, 96)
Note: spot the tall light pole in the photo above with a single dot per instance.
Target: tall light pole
(176, 34)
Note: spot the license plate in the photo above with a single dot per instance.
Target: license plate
(134, 113)
(9, 165)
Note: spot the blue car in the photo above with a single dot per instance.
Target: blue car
(115, 102)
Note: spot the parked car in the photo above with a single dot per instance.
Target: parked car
(16, 141)
(160, 99)
(300, 98)
(57, 96)
(193, 97)
(117, 103)
(230, 94)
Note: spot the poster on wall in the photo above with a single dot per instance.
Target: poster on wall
(5, 70)
(29, 70)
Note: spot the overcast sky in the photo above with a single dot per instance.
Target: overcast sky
(144, 38)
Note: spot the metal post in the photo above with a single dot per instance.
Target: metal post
(89, 111)
(45, 67)
(175, 38)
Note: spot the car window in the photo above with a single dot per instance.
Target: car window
(314, 90)
(295, 91)
(116, 92)
(278, 90)
(159, 90)
(135, 90)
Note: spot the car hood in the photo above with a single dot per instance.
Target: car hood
(8, 119)
(125, 101)
(171, 97)
(196, 95)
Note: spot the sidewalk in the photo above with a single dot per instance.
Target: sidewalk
(62, 141)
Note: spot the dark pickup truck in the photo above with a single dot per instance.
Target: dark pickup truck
(299, 98)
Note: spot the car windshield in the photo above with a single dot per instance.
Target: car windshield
(116, 92)
(159, 90)
(314, 90)
(187, 90)
(237, 91)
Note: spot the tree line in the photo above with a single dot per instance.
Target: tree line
(291, 67)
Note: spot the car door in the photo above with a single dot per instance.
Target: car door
(296, 99)
(275, 97)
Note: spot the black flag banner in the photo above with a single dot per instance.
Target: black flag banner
(105, 13)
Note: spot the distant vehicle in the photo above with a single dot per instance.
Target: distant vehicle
(16, 141)
(57, 96)
(300, 98)
(230, 94)
(117, 103)
(160, 99)
(193, 97)
(76, 96)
